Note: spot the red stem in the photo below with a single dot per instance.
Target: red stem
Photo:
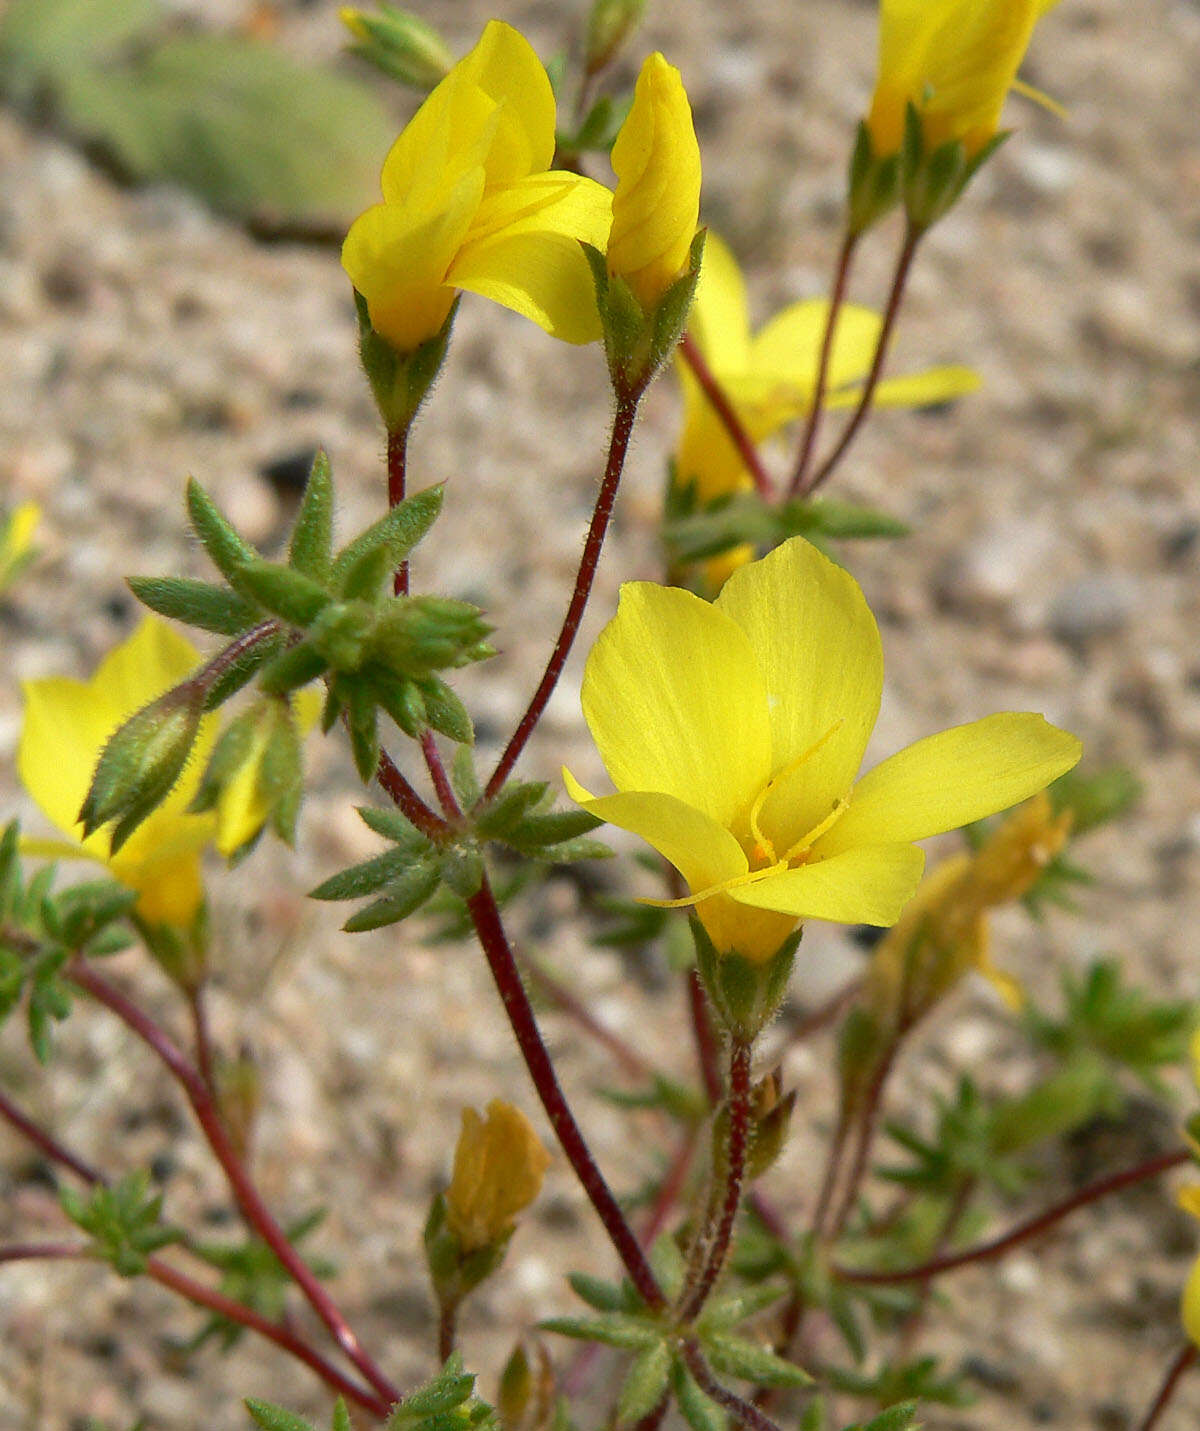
(409, 803)
(441, 781)
(708, 1052)
(618, 448)
(45, 1144)
(903, 266)
(736, 1150)
(1174, 1376)
(808, 445)
(248, 1198)
(742, 1411)
(397, 469)
(719, 400)
(202, 1038)
(1025, 1231)
(45, 1252)
(490, 929)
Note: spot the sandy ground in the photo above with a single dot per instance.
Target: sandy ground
(1053, 567)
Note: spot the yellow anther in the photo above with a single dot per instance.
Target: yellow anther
(763, 848)
(805, 843)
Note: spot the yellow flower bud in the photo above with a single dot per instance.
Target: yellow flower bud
(656, 206)
(499, 1164)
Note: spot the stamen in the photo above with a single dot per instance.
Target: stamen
(763, 848)
(806, 842)
(752, 877)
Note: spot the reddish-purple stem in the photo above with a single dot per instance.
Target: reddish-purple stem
(735, 1170)
(44, 1251)
(441, 781)
(490, 929)
(1025, 1231)
(247, 1196)
(743, 1412)
(708, 1051)
(719, 400)
(202, 1037)
(409, 803)
(903, 266)
(618, 448)
(46, 1145)
(1175, 1372)
(812, 427)
(397, 469)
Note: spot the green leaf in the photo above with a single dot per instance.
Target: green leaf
(446, 713)
(463, 778)
(842, 520)
(394, 536)
(614, 1330)
(227, 551)
(196, 603)
(123, 1221)
(363, 725)
(722, 1313)
(289, 594)
(274, 1418)
(668, 1266)
(598, 1294)
(366, 878)
(405, 897)
(543, 834)
(645, 1382)
(392, 825)
(751, 1362)
(311, 549)
(698, 1409)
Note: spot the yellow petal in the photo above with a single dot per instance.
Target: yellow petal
(703, 852)
(1190, 1310)
(676, 702)
(869, 884)
(927, 388)
(523, 252)
(789, 347)
(719, 319)
(505, 67)
(819, 651)
(953, 778)
(169, 890)
(656, 206)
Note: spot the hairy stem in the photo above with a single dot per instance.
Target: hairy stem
(743, 1413)
(618, 448)
(246, 1194)
(447, 1331)
(718, 399)
(397, 473)
(808, 443)
(1023, 1232)
(737, 1146)
(899, 281)
(708, 1051)
(489, 928)
(1175, 1373)
(409, 803)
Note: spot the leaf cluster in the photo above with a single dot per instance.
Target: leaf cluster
(124, 1221)
(40, 930)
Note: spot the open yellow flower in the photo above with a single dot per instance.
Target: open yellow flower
(770, 376)
(954, 61)
(734, 731)
(66, 725)
(468, 204)
(656, 206)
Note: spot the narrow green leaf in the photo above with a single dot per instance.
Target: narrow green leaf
(228, 552)
(311, 549)
(290, 594)
(395, 535)
(736, 1356)
(613, 1330)
(725, 1312)
(363, 724)
(699, 1410)
(366, 878)
(274, 1418)
(291, 669)
(392, 825)
(645, 1383)
(602, 1296)
(196, 603)
(405, 898)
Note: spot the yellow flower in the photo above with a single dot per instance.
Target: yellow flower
(16, 540)
(498, 1169)
(734, 731)
(954, 61)
(943, 931)
(66, 725)
(656, 206)
(770, 376)
(468, 204)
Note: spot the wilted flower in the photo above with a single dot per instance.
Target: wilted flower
(499, 1164)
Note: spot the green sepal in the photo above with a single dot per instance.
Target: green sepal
(393, 537)
(311, 547)
(289, 594)
(456, 1271)
(195, 603)
(342, 634)
(645, 1383)
(745, 993)
(400, 382)
(735, 1356)
(418, 635)
(227, 551)
(401, 45)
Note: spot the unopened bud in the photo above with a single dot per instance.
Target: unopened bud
(610, 24)
(499, 1165)
(418, 635)
(400, 44)
(141, 762)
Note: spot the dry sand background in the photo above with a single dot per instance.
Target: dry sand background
(1054, 567)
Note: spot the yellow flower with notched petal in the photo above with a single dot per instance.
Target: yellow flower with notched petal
(468, 204)
(656, 206)
(499, 1164)
(954, 61)
(66, 725)
(734, 732)
(770, 376)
